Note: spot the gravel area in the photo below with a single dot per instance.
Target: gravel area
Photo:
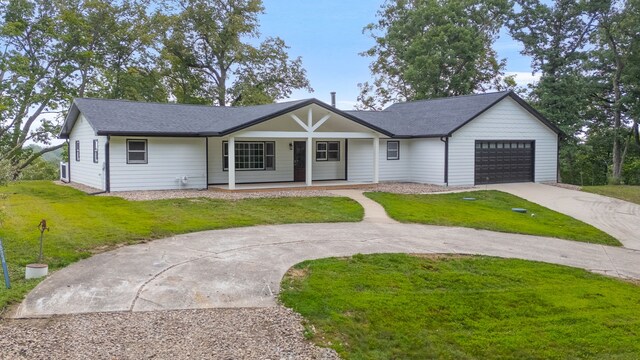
(265, 333)
(564, 186)
(213, 193)
(414, 188)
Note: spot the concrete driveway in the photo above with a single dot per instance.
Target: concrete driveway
(620, 219)
(243, 267)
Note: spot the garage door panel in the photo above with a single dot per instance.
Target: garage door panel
(503, 161)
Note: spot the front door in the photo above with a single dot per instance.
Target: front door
(299, 160)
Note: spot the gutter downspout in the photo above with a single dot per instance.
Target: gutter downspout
(107, 170)
(445, 140)
(558, 178)
(69, 159)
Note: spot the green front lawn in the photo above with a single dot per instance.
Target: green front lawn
(411, 307)
(490, 211)
(81, 224)
(624, 192)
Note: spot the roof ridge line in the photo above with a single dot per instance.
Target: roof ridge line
(449, 97)
(183, 104)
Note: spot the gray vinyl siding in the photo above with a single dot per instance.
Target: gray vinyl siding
(421, 161)
(85, 171)
(395, 170)
(506, 120)
(427, 161)
(168, 160)
(360, 162)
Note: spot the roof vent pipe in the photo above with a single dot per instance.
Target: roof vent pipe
(333, 98)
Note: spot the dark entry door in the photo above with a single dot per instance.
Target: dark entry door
(299, 160)
(504, 161)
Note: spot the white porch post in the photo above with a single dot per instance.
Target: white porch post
(231, 149)
(376, 159)
(309, 163)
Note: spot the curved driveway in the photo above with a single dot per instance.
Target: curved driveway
(243, 267)
(620, 219)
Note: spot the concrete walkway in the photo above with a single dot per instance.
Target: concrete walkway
(243, 267)
(620, 219)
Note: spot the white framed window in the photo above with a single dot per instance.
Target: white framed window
(270, 155)
(393, 150)
(333, 151)
(95, 151)
(251, 155)
(77, 150)
(321, 151)
(136, 151)
(328, 151)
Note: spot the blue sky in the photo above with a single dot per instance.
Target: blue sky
(328, 35)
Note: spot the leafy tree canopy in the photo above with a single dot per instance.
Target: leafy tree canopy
(429, 48)
(209, 48)
(189, 51)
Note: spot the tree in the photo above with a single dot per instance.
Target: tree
(428, 48)
(125, 65)
(615, 40)
(587, 53)
(556, 36)
(210, 56)
(55, 50)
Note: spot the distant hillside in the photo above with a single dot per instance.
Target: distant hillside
(53, 156)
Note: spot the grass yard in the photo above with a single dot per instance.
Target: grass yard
(623, 192)
(490, 211)
(82, 224)
(398, 306)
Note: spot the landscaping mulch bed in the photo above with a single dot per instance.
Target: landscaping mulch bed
(265, 333)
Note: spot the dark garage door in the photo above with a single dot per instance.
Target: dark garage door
(504, 161)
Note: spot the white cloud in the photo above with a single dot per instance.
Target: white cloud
(524, 78)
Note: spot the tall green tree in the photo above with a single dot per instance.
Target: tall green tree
(211, 55)
(125, 65)
(557, 37)
(434, 48)
(586, 52)
(615, 41)
(53, 51)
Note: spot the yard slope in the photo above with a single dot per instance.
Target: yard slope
(489, 210)
(81, 225)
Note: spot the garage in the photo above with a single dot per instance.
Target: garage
(504, 161)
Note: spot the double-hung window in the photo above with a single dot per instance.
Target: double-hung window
(251, 155)
(95, 151)
(321, 151)
(137, 152)
(328, 151)
(393, 150)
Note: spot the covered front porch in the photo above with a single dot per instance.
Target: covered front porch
(326, 149)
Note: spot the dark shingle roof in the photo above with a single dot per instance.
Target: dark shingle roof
(426, 118)
(130, 117)
(434, 117)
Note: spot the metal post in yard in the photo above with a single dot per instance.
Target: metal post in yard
(42, 227)
(4, 266)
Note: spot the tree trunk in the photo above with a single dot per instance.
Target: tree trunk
(616, 174)
(222, 87)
